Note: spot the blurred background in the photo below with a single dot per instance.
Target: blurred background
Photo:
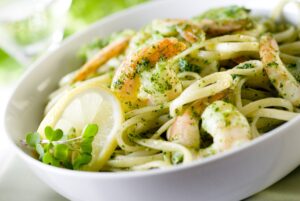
(80, 14)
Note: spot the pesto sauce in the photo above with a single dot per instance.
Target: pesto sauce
(294, 69)
(273, 64)
(225, 13)
(245, 66)
(185, 66)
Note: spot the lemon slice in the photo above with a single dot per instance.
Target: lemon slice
(88, 103)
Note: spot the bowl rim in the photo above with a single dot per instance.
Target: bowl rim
(126, 174)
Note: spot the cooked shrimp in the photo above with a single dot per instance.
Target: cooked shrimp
(126, 82)
(185, 129)
(225, 20)
(282, 80)
(214, 28)
(188, 30)
(228, 127)
(185, 31)
(105, 54)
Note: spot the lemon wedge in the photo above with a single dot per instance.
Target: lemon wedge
(85, 104)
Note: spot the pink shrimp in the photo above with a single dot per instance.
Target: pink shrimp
(126, 81)
(287, 86)
(185, 129)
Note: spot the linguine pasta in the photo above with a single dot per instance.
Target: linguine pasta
(188, 89)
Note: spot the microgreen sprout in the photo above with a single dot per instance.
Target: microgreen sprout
(63, 150)
(53, 135)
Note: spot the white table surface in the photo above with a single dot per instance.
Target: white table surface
(17, 182)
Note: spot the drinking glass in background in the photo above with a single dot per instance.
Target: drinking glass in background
(30, 27)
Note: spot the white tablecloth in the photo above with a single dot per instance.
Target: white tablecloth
(4, 151)
(17, 182)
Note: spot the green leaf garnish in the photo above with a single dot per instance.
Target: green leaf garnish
(48, 146)
(57, 135)
(57, 152)
(40, 150)
(48, 132)
(86, 145)
(50, 160)
(32, 139)
(90, 131)
(81, 159)
(61, 152)
(53, 135)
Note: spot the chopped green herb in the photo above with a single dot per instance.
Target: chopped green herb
(177, 158)
(143, 65)
(245, 66)
(184, 66)
(235, 76)
(273, 64)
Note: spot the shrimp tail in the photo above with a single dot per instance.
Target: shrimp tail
(105, 54)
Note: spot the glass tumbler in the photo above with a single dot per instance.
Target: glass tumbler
(29, 27)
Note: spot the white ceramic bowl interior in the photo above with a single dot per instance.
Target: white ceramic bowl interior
(233, 175)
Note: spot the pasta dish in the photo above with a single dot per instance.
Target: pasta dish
(175, 91)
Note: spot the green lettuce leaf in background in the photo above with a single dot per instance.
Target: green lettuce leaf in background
(84, 12)
(9, 68)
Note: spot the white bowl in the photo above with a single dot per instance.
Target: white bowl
(233, 175)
